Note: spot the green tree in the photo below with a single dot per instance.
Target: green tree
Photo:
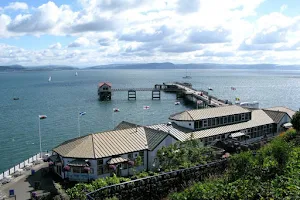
(296, 121)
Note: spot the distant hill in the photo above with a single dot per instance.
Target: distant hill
(50, 68)
(165, 65)
(12, 68)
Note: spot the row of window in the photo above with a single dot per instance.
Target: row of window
(253, 132)
(217, 121)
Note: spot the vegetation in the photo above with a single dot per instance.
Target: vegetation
(296, 121)
(273, 172)
(184, 154)
(79, 190)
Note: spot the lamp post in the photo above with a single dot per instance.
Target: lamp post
(40, 136)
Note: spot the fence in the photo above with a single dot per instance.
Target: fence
(22, 164)
(159, 186)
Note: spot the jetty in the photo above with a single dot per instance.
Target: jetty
(183, 91)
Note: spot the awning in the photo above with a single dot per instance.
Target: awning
(55, 158)
(238, 134)
(287, 125)
(117, 160)
(77, 163)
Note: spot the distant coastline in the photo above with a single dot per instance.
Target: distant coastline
(166, 65)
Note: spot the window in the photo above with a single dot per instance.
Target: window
(221, 120)
(240, 117)
(196, 124)
(225, 119)
(130, 156)
(100, 166)
(200, 124)
(106, 169)
(124, 166)
(243, 116)
(213, 121)
(76, 169)
(247, 116)
(236, 118)
(229, 119)
(190, 124)
(205, 123)
(141, 154)
(209, 122)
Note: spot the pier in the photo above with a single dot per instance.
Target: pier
(183, 90)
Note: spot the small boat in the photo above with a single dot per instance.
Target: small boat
(16, 98)
(210, 88)
(49, 80)
(187, 77)
(177, 103)
(76, 74)
(116, 110)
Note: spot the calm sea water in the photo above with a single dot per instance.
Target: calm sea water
(67, 95)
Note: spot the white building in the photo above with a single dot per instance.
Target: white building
(101, 154)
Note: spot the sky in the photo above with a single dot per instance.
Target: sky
(98, 32)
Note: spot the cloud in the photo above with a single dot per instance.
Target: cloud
(283, 8)
(44, 18)
(207, 53)
(186, 7)
(55, 46)
(274, 35)
(144, 36)
(99, 24)
(219, 35)
(16, 6)
(79, 42)
(179, 48)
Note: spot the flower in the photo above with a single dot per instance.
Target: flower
(67, 168)
(130, 162)
(113, 167)
(87, 169)
(51, 163)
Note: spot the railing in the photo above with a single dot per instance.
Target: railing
(23, 164)
(156, 187)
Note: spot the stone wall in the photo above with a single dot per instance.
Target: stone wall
(159, 186)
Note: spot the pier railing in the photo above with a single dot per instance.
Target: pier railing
(23, 164)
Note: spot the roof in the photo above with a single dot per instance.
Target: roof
(198, 114)
(104, 83)
(125, 125)
(109, 143)
(117, 160)
(259, 118)
(154, 137)
(173, 129)
(290, 112)
(275, 115)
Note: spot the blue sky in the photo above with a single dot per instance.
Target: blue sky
(93, 32)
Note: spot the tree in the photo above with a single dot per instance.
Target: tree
(296, 121)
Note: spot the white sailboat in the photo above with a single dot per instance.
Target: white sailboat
(49, 80)
(186, 76)
(76, 74)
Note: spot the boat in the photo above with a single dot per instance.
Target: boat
(49, 80)
(116, 110)
(186, 76)
(177, 103)
(16, 98)
(209, 88)
(76, 74)
(253, 104)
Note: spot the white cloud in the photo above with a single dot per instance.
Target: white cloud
(79, 42)
(109, 31)
(283, 8)
(16, 6)
(55, 46)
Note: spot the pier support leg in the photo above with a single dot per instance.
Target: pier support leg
(131, 95)
(155, 94)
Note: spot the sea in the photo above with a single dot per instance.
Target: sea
(62, 99)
